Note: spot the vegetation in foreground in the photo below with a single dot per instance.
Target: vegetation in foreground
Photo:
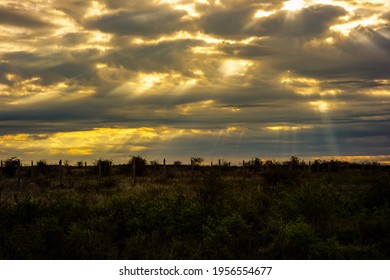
(203, 214)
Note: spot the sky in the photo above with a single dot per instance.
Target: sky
(229, 79)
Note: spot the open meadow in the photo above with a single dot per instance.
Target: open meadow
(256, 211)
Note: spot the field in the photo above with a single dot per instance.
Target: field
(275, 211)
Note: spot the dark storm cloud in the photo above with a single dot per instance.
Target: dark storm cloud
(72, 70)
(53, 67)
(132, 5)
(163, 56)
(311, 21)
(20, 56)
(226, 22)
(76, 9)
(51, 112)
(363, 55)
(22, 19)
(140, 23)
(76, 38)
(251, 50)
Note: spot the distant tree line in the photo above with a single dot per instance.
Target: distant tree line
(12, 166)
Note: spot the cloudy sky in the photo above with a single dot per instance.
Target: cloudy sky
(232, 79)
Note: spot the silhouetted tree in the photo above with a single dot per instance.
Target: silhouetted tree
(104, 165)
(140, 165)
(197, 161)
(42, 166)
(11, 165)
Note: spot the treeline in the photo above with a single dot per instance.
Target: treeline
(138, 166)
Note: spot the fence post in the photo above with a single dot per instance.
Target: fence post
(219, 166)
(32, 169)
(18, 173)
(164, 167)
(1, 169)
(134, 170)
(192, 169)
(61, 174)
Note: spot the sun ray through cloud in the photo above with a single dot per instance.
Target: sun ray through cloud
(221, 78)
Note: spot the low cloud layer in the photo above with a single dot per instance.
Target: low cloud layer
(219, 79)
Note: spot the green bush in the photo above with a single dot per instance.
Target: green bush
(294, 240)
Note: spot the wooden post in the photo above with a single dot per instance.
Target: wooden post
(243, 164)
(134, 170)
(219, 166)
(1, 169)
(100, 167)
(164, 167)
(18, 173)
(32, 169)
(61, 175)
(192, 169)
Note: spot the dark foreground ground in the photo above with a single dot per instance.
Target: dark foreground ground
(272, 214)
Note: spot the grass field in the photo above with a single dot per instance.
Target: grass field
(206, 213)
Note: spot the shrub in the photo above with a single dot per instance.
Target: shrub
(42, 167)
(11, 165)
(103, 167)
(140, 165)
(294, 241)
